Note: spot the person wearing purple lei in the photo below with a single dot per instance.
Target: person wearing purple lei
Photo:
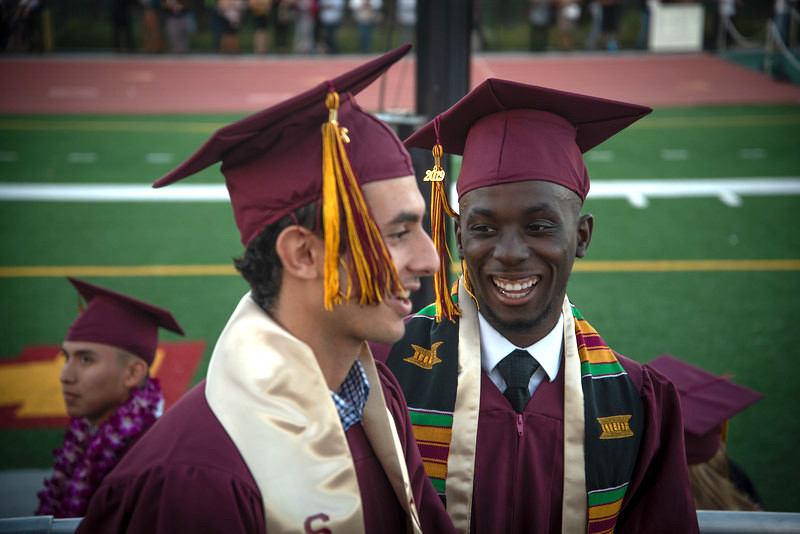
(108, 393)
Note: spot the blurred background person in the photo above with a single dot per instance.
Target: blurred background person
(595, 26)
(122, 30)
(407, 20)
(260, 10)
(151, 27)
(216, 24)
(331, 13)
(539, 16)
(177, 14)
(609, 23)
(708, 402)
(568, 13)
(108, 393)
(283, 14)
(644, 23)
(366, 13)
(231, 12)
(26, 33)
(305, 21)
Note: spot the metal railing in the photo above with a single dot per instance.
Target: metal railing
(711, 522)
(722, 522)
(43, 524)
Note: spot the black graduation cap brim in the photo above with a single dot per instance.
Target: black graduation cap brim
(596, 119)
(707, 400)
(230, 137)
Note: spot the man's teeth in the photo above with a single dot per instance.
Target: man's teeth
(515, 285)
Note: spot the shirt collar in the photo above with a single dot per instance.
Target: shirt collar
(546, 351)
(352, 396)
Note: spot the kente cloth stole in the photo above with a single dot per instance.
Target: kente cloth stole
(426, 364)
(268, 392)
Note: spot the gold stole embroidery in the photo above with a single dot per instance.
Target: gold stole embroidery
(461, 461)
(267, 390)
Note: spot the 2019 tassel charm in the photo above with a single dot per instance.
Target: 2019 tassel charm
(439, 208)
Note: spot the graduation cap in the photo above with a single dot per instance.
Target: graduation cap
(708, 401)
(118, 320)
(513, 132)
(277, 161)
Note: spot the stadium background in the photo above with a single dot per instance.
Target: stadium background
(708, 279)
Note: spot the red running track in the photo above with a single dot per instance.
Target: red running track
(194, 84)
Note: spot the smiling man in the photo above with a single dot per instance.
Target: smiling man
(526, 420)
(296, 428)
(108, 393)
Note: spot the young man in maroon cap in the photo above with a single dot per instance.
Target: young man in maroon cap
(708, 403)
(109, 395)
(526, 420)
(296, 428)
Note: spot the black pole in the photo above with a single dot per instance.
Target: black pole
(443, 54)
(443, 63)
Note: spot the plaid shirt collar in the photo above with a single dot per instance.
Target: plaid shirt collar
(352, 396)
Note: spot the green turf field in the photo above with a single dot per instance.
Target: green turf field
(739, 321)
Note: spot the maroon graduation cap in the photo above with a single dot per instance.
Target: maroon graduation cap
(708, 401)
(318, 145)
(513, 132)
(272, 160)
(118, 320)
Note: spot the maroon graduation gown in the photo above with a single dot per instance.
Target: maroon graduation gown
(186, 475)
(519, 471)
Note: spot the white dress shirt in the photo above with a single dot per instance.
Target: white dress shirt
(546, 351)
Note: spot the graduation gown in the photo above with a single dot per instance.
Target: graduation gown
(515, 480)
(186, 475)
(518, 481)
(192, 473)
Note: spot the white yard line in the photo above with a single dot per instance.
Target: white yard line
(728, 190)
(637, 192)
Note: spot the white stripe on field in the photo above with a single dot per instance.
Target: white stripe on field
(159, 158)
(674, 154)
(752, 153)
(81, 157)
(637, 192)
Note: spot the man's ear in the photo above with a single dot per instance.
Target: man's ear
(585, 228)
(135, 372)
(457, 228)
(301, 252)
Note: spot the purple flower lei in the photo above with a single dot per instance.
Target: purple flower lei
(85, 458)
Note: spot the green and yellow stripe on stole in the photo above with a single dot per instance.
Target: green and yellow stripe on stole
(433, 431)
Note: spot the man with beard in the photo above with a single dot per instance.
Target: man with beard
(526, 420)
(296, 428)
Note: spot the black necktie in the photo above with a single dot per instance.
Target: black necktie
(517, 369)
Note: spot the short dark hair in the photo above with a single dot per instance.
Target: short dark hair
(260, 264)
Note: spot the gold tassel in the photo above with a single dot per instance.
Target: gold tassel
(467, 283)
(439, 208)
(342, 200)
